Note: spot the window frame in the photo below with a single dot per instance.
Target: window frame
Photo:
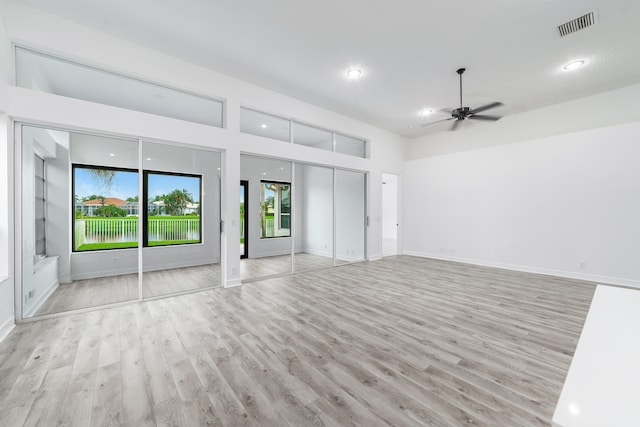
(43, 201)
(145, 216)
(143, 208)
(280, 183)
(74, 166)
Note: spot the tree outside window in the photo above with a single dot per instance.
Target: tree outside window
(275, 209)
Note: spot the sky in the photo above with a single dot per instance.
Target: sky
(125, 185)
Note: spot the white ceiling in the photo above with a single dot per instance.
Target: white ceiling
(409, 49)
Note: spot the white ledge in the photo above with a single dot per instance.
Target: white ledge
(603, 383)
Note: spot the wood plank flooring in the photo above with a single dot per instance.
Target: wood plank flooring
(108, 290)
(251, 268)
(402, 341)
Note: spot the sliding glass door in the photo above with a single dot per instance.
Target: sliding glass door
(314, 217)
(299, 217)
(79, 226)
(269, 215)
(181, 219)
(350, 216)
(92, 211)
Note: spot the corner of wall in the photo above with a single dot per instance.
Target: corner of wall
(7, 314)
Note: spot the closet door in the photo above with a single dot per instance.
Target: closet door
(79, 220)
(180, 219)
(270, 216)
(314, 217)
(350, 216)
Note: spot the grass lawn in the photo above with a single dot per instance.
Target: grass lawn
(123, 245)
(106, 245)
(172, 242)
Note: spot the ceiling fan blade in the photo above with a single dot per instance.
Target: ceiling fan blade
(456, 124)
(486, 107)
(424, 125)
(446, 111)
(480, 117)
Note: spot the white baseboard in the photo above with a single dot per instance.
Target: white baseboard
(348, 258)
(120, 272)
(6, 327)
(264, 254)
(41, 299)
(104, 273)
(620, 281)
(232, 283)
(318, 253)
(375, 257)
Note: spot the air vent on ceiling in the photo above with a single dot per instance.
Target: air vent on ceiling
(577, 24)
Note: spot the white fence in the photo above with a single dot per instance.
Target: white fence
(97, 230)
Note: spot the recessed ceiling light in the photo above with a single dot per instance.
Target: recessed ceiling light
(264, 174)
(425, 112)
(263, 126)
(148, 158)
(354, 73)
(410, 126)
(574, 65)
(112, 154)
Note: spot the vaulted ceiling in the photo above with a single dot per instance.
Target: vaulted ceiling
(408, 50)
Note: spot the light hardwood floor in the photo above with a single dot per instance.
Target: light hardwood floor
(401, 341)
(108, 290)
(251, 268)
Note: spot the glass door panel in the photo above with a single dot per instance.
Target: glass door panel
(181, 219)
(314, 217)
(350, 216)
(269, 216)
(79, 220)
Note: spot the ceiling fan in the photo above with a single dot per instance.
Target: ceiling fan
(463, 113)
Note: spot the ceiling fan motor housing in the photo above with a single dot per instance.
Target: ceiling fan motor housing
(460, 113)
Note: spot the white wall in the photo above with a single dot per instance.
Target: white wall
(390, 206)
(6, 195)
(39, 279)
(58, 175)
(604, 109)
(6, 62)
(6, 231)
(567, 205)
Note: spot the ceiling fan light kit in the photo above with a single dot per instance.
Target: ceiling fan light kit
(463, 113)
